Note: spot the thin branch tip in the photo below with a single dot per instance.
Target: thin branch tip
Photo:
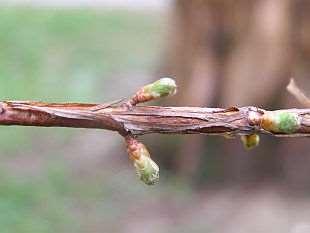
(295, 91)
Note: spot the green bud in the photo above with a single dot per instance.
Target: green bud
(147, 170)
(250, 141)
(281, 122)
(160, 88)
(288, 122)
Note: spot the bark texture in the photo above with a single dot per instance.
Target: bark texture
(139, 120)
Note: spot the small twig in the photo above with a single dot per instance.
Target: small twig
(298, 93)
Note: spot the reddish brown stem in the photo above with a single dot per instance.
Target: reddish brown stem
(144, 120)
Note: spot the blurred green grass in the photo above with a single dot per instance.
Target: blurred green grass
(36, 205)
(60, 55)
(68, 55)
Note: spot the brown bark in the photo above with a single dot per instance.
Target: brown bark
(137, 120)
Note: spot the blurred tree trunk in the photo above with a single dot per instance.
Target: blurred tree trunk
(225, 53)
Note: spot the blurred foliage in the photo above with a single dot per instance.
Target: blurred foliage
(60, 55)
(36, 205)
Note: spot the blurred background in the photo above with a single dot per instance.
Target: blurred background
(221, 52)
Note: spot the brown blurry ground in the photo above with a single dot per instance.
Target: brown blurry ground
(235, 53)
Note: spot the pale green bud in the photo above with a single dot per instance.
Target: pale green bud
(162, 87)
(147, 170)
(281, 122)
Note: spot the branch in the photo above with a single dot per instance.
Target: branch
(139, 120)
(130, 121)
